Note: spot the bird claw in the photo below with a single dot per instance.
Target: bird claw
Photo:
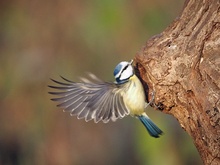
(152, 99)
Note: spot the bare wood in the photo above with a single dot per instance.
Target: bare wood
(182, 64)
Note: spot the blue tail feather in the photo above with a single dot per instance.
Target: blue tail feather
(152, 129)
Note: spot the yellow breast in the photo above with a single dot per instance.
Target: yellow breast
(134, 97)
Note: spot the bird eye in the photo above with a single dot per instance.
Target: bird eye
(124, 68)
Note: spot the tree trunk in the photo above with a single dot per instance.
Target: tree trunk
(182, 66)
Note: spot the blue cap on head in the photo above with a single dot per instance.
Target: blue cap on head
(117, 69)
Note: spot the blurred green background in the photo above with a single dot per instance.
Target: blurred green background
(42, 39)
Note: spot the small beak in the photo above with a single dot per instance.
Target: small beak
(131, 61)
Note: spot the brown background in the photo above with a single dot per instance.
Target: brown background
(42, 39)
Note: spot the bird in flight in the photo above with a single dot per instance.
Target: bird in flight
(94, 99)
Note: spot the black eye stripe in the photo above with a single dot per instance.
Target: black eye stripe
(123, 70)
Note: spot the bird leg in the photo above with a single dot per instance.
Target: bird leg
(152, 99)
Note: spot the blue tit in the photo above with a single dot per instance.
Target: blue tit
(94, 99)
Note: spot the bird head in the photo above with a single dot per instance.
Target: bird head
(123, 71)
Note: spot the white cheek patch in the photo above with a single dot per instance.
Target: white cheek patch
(127, 73)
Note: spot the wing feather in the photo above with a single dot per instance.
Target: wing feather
(68, 99)
(90, 99)
(111, 109)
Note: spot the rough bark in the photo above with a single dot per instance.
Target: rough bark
(182, 65)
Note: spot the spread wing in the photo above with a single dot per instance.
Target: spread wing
(90, 99)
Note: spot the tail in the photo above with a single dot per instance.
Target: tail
(152, 129)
